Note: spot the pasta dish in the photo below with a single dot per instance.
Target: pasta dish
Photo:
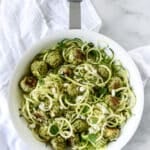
(76, 95)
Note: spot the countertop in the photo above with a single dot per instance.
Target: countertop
(128, 23)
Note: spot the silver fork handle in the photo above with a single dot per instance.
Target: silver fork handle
(75, 14)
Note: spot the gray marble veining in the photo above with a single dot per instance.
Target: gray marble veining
(128, 23)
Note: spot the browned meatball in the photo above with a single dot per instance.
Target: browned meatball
(103, 72)
(73, 140)
(39, 68)
(112, 101)
(80, 125)
(28, 83)
(66, 70)
(111, 133)
(115, 83)
(58, 143)
(76, 56)
(54, 58)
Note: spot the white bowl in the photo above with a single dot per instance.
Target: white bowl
(135, 80)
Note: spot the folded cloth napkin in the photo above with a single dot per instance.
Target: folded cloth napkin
(141, 57)
(24, 23)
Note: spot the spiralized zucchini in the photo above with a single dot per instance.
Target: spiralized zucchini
(76, 95)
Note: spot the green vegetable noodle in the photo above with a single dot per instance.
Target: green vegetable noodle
(76, 95)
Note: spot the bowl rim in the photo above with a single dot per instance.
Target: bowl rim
(75, 32)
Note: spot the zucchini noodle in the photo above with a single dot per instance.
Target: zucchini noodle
(76, 94)
(93, 56)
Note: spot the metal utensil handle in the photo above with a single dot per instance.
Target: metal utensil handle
(75, 14)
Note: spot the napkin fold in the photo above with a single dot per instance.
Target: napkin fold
(141, 57)
(24, 23)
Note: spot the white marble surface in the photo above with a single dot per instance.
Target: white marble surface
(128, 23)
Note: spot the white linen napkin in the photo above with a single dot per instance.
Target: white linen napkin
(22, 23)
(141, 57)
